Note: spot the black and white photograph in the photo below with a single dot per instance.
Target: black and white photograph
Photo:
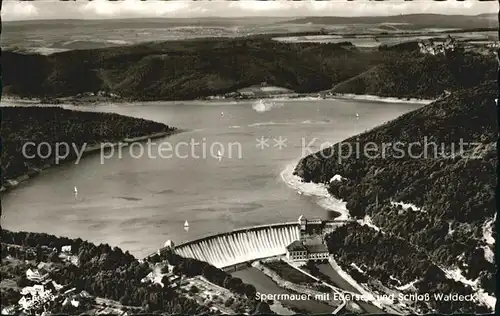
(249, 157)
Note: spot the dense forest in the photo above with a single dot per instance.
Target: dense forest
(389, 258)
(113, 274)
(190, 267)
(104, 271)
(444, 164)
(421, 76)
(184, 69)
(203, 67)
(53, 125)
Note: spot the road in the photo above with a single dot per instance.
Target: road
(334, 289)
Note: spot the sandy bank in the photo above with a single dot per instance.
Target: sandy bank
(374, 98)
(274, 93)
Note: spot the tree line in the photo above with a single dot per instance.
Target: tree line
(190, 267)
(52, 125)
(453, 192)
(386, 258)
(109, 273)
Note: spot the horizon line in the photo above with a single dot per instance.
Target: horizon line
(291, 18)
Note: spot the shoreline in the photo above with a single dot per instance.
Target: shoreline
(375, 98)
(98, 147)
(484, 298)
(11, 184)
(340, 207)
(275, 97)
(324, 199)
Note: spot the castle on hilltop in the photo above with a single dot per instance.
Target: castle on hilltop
(439, 47)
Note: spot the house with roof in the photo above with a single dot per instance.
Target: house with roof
(25, 302)
(247, 94)
(34, 297)
(313, 228)
(85, 294)
(74, 260)
(9, 310)
(66, 249)
(71, 301)
(306, 250)
(56, 286)
(148, 278)
(296, 251)
(317, 250)
(311, 244)
(32, 290)
(36, 275)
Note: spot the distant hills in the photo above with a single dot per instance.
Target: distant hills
(412, 21)
(405, 22)
(156, 22)
(423, 76)
(181, 70)
(427, 20)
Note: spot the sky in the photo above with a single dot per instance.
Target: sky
(13, 10)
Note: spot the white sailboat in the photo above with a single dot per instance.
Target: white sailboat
(219, 155)
(75, 190)
(357, 115)
(186, 226)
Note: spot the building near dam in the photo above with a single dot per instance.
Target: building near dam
(313, 228)
(304, 250)
(311, 244)
(229, 249)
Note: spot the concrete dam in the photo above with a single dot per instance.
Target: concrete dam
(251, 243)
(241, 245)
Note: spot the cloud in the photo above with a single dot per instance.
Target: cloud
(261, 6)
(97, 9)
(19, 11)
(103, 9)
(363, 8)
(133, 8)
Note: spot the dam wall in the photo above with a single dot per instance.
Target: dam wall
(231, 249)
(241, 245)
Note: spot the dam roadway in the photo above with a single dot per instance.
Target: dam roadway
(244, 244)
(236, 248)
(240, 245)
